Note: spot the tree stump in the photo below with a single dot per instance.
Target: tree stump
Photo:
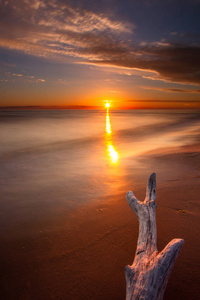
(147, 277)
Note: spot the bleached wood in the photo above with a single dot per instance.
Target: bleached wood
(147, 277)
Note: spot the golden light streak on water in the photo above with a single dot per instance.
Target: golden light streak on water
(108, 125)
(111, 151)
(114, 156)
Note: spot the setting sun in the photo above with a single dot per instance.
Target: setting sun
(107, 105)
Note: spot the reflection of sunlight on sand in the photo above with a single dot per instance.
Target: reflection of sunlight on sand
(112, 153)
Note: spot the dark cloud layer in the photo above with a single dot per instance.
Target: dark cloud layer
(173, 62)
(56, 29)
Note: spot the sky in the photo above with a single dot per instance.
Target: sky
(131, 53)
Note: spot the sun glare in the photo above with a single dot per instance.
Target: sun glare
(107, 105)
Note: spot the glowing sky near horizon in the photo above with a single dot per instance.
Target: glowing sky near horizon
(82, 52)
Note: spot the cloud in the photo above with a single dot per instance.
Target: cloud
(56, 29)
(42, 21)
(18, 75)
(165, 100)
(174, 90)
(173, 62)
(183, 90)
(21, 78)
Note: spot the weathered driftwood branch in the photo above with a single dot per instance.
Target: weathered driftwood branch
(149, 273)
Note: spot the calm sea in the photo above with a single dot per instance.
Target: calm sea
(63, 158)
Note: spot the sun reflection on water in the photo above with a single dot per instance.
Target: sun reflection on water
(111, 151)
(108, 125)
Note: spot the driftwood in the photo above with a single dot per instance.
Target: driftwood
(147, 277)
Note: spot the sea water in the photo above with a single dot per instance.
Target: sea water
(61, 159)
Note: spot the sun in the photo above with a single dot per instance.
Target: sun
(107, 105)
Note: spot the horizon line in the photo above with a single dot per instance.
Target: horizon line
(145, 104)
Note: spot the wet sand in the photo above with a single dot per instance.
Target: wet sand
(81, 254)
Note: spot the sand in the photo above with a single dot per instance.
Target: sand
(81, 254)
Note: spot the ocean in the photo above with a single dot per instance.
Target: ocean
(64, 158)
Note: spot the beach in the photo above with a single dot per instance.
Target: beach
(67, 231)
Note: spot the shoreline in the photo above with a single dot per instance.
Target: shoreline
(82, 254)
